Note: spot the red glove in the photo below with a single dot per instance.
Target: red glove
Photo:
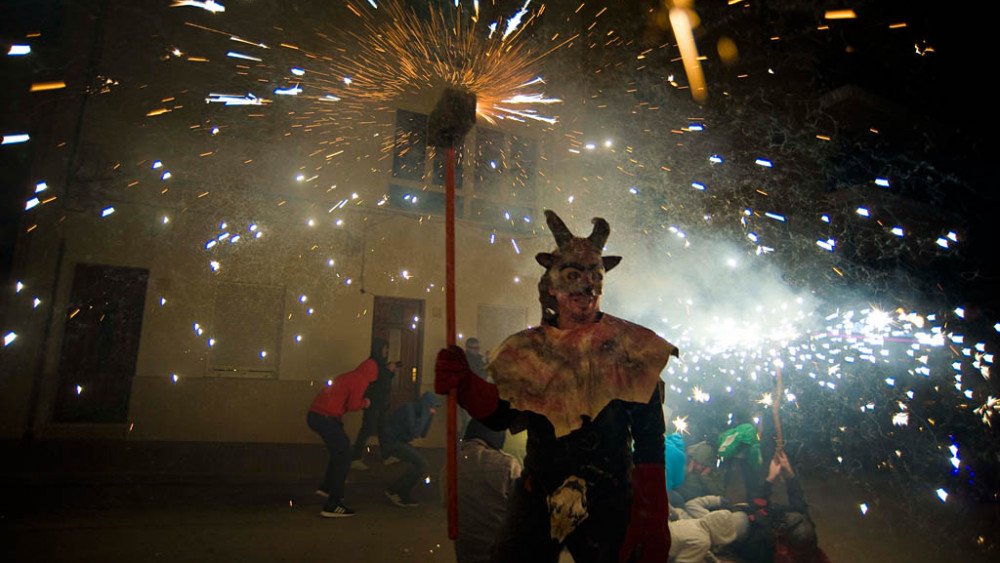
(648, 536)
(476, 395)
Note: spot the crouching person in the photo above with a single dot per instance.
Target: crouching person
(407, 423)
(486, 477)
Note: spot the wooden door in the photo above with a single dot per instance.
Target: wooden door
(400, 322)
(100, 343)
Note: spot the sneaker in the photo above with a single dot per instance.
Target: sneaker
(399, 500)
(322, 493)
(359, 465)
(340, 511)
(390, 460)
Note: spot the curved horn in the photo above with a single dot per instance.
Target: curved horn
(558, 228)
(599, 235)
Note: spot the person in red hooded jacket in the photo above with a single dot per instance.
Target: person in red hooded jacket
(345, 393)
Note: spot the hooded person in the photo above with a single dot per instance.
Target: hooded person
(675, 460)
(486, 477)
(702, 476)
(407, 423)
(586, 386)
(374, 419)
(344, 393)
(780, 533)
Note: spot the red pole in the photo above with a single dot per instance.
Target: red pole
(452, 426)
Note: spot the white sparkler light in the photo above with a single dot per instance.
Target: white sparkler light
(79, 389)
(166, 175)
(607, 143)
(298, 338)
(263, 353)
(107, 211)
(825, 218)
(18, 50)
(174, 377)
(215, 130)
(31, 203)
(764, 162)
(633, 190)
(18, 286)
(898, 231)
(901, 419)
(293, 91)
(952, 236)
(942, 242)
(8, 338)
(698, 186)
(298, 71)
(942, 494)
(883, 182)
(775, 216)
(215, 265)
(590, 146)
(960, 311)
(15, 138)
(41, 187)
(514, 244)
(863, 211)
(827, 244)
(236, 55)
(864, 509)
(35, 303)
(233, 100)
(696, 127)
(157, 164)
(715, 159)
(207, 5)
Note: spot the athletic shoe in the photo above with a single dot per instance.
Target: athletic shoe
(322, 493)
(390, 460)
(359, 465)
(399, 500)
(339, 511)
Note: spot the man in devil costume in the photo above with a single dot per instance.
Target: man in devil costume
(586, 387)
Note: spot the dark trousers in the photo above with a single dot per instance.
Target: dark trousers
(331, 429)
(415, 471)
(372, 424)
(525, 536)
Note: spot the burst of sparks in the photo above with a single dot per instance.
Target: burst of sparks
(399, 54)
(680, 424)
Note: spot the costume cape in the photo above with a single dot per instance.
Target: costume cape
(565, 375)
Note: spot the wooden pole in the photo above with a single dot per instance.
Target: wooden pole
(780, 444)
(452, 426)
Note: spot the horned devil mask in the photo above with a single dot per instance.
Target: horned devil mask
(576, 267)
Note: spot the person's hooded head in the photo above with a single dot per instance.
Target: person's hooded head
(701, 458)
(796, 540)
(428, 401)
(478, 431)
(379, 351)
